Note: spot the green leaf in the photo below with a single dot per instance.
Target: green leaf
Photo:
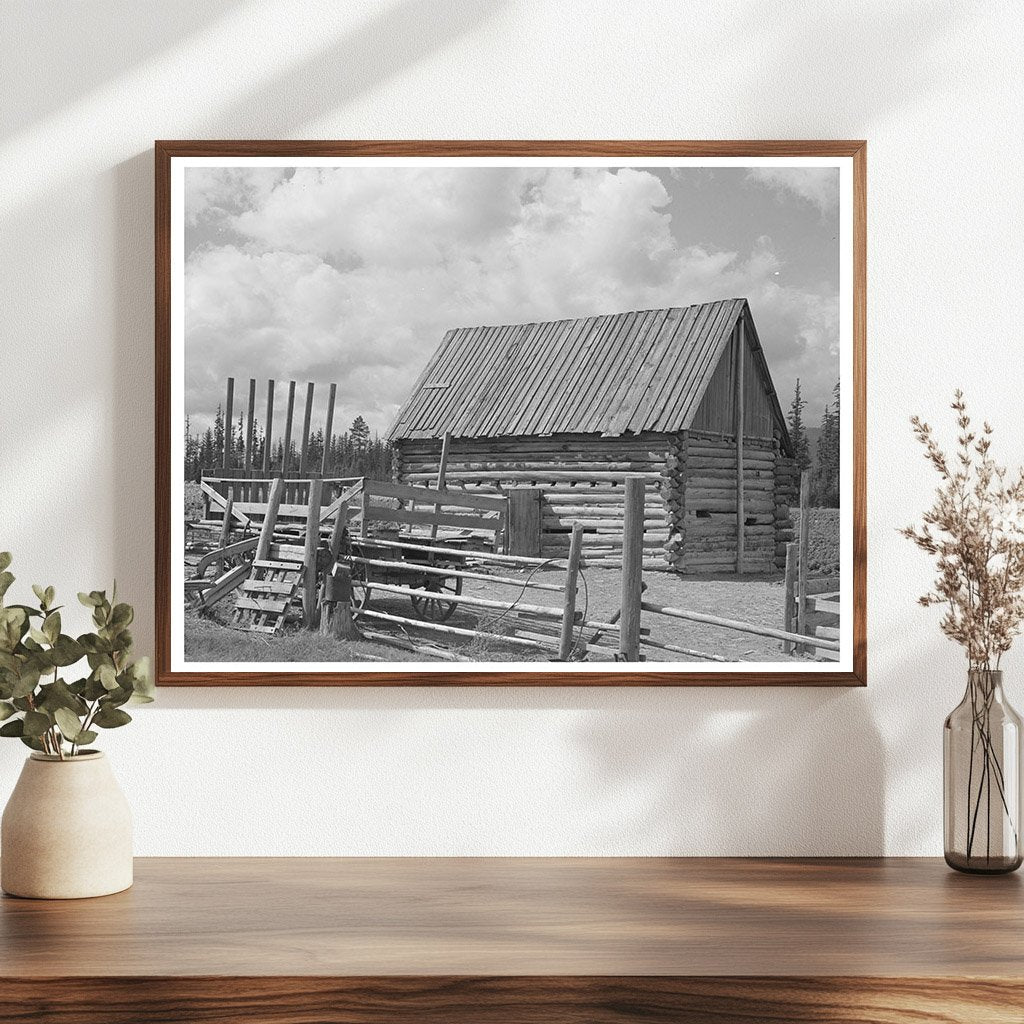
(38, 635)
(5, 560)
(67, 651)
(6, 579)
(31, 741)
(13, 623)
(6, 710)
(41, 594)
(14, 728)
(94, 689)
(115, 698)
(51, 626)
(122, 615)
(27, 682)
(94, 644)
(111, 718)
(89, 600)
(36, 723)
(69, 724)
(59, 695)
(142, 682)
(86, 736)
(107, 676)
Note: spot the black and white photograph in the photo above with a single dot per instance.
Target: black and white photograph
(435, 414)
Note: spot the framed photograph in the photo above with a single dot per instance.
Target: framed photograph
(510, 413)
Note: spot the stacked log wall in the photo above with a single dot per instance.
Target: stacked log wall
(581, 476)
(787, 497)
(704, 502)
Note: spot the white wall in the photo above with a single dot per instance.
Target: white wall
(936, 89)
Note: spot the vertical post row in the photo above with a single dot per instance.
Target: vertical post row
(632, 568)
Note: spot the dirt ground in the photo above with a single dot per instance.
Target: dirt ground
(757, 600)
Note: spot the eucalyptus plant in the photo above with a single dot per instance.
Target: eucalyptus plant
(37, 703)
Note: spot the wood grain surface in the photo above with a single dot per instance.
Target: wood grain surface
(505, 940)
(166, 150)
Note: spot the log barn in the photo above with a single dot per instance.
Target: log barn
(557, 414)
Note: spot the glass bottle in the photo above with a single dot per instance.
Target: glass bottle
(981, 773)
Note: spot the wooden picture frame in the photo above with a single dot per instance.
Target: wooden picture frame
(849, 157)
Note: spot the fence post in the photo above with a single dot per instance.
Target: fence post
(309, 594)
(572, 573)
(306, 419)
(364, 509)
(336, 613)
(442, 470)
(250, 421)
(790, 596)
(805, 533)
(228, 455)
(632, 568)
(225, 527)
(328, 430)
(740, 400)
(268, 433)
(286, 450)
(337, 536)
(270, 521)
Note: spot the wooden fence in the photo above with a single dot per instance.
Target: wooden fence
(633, 603)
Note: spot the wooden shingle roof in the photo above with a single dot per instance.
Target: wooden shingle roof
(611, 375)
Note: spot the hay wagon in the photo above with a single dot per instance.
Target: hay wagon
(374, 565)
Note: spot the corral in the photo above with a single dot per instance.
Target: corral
(525, 458)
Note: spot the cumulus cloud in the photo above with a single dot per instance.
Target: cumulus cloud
(818, 186)
(353, 275)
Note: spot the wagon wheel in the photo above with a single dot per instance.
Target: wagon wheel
(435, 609)
(360, 589)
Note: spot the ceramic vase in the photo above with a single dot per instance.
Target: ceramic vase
(66, 831)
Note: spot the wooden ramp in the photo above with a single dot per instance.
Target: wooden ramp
(264, 598)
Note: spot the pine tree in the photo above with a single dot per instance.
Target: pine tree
(191, 451)
(825, 479)
(360, 432)
(218, 434)
(207, 454)
(797, 434)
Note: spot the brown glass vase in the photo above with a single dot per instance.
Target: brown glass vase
(981, 769)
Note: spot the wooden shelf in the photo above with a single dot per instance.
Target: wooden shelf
(573, 941)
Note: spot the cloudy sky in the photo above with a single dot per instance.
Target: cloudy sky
(353, 275)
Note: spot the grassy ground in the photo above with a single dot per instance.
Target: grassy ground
(823, 540)
(208, 639)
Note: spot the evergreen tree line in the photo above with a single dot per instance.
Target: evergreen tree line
(354, 453)
(824, 491)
